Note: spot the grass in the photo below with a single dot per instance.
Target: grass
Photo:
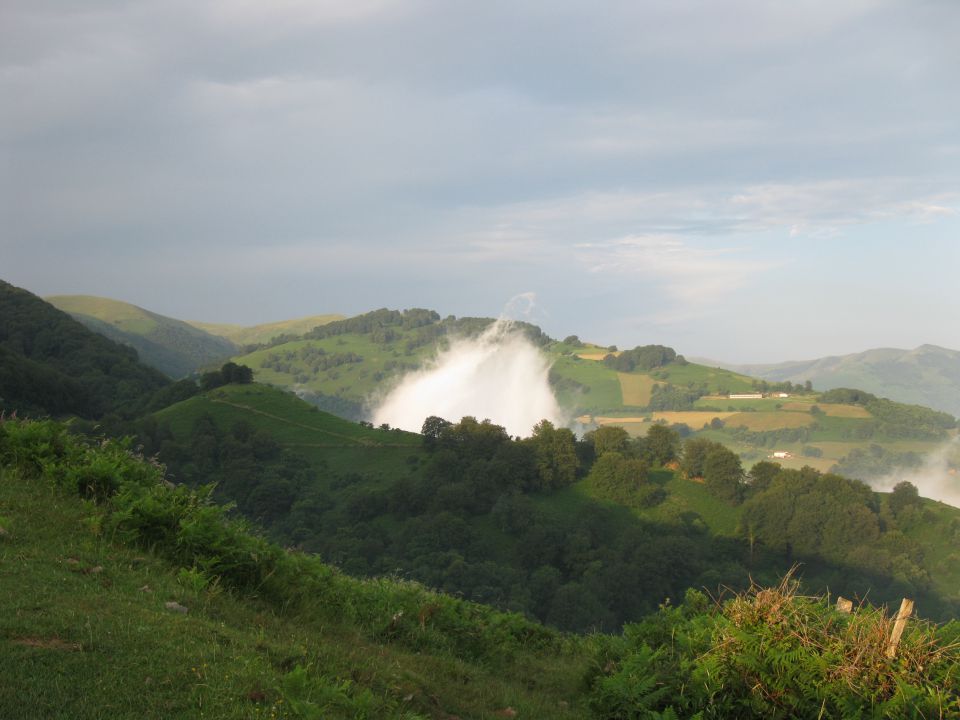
(121, 315)
(695, 419)
(255, 334)
(715, 378)
(324, 439)
(635, 389)
(759, 421)
(87, 634)
(603, 386)
(356, 381)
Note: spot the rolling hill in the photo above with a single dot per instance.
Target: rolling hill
(172, 346)
(241, 335)
(927, 375)
(52, 364)
(345, 366)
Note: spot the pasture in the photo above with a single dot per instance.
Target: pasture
(635, 388)
(759, 421)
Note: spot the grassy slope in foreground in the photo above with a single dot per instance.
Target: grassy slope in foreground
(172, 346)
(87, 633)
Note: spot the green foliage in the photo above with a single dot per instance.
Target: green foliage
(643, 357)
(256, 630)
(770, 653)
(723, 474)
(51, 364)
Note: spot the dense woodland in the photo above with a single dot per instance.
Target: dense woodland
(51, 364)
(475, 517)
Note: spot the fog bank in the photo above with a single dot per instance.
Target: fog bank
(936, 478)
(499, 375)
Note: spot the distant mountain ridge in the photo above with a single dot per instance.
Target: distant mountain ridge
(927, 375)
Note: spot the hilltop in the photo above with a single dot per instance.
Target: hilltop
(927, 375)
(52, 364)
(175, 347)
(172, 346)
(241, 335)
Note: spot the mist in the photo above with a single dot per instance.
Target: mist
(499, 375)
(936, 478)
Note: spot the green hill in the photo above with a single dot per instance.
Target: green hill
(927, 375)
(475, 516)
(345, 366)
(149, 603)
(172, 346)
(241, 335)
(136, 598)
(51, 364)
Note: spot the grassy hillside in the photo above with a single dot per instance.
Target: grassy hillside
(51, 364)
(172, 346)
(139, 599)
(241, 335)
(927, 375)
(329, 442)
(118, 614)
(345, 366)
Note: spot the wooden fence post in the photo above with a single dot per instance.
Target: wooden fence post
(906, 610)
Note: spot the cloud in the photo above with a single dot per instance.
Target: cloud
(696, 278)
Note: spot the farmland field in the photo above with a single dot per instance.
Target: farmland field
(695, 419)
(757, 421)
(636, 389)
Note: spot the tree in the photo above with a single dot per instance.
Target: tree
(432, 429)
(762, 474)
(609, 438)
(694, 453)
(905, 495)
(662, 444)
(723, 474)
(556, 454)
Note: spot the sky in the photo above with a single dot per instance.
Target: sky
(749, 181)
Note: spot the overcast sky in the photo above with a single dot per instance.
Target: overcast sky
(748, 181)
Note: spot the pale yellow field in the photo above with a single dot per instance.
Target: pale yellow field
(636, 389)
(596, 354)
(769, 420)
(844, 411)
(797, 406)
(694, 418)
(635, 429)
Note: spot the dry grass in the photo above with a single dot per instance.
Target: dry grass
(844, 411)
(852, 648)
(694, 418)
(594, 355)
(636, 389)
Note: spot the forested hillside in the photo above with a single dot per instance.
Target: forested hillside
(51, 364)
(137, 598)
(578, 533)
(171, 346)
